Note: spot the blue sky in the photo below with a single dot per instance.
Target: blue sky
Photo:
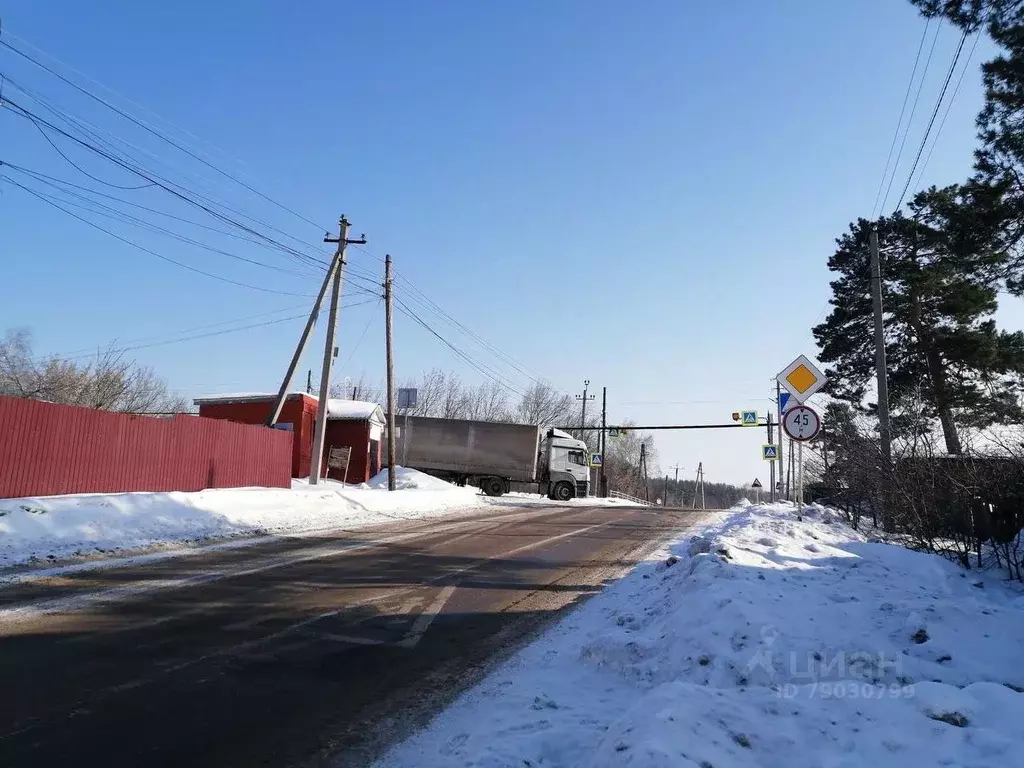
(640, 194)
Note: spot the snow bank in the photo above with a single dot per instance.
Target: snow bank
(763, 641)
(52, 527)
(406, 479)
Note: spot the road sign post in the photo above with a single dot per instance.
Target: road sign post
(801, 423)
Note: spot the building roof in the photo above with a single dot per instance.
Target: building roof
(341, 410)
(246, 397)
(354, 410)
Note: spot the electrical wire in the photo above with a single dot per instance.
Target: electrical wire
(155, 179)
(61, 183)
(481, 368)
(949, 106)
(145, 126)
(899, 123)
(931, 121)
(100, 209)
(150, 251)
(910, 120)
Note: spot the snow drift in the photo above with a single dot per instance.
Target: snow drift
(763, 641)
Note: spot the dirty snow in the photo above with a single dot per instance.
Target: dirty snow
(764, 641)
(53, 527)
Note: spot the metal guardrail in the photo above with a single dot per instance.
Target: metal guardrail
(627, 497)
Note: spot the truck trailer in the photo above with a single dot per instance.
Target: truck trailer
(495, 457)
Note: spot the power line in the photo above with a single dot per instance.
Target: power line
(931, 121)
(899, 123)
(156, 180)
(910, 120)
(145, 126)
(476, 365)
(64, 183)
(148, 250)
(949, 106)
(107, 211)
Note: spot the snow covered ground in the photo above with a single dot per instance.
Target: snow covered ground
(54, 527)
(764, 641)
(90, 526)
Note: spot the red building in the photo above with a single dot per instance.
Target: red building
(350, 423)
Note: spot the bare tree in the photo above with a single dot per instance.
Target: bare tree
(544, 405)
(108, 382)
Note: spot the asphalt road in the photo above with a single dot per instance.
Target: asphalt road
(296, 652)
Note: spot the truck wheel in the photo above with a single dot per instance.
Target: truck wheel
(564, 491)
(493, 486)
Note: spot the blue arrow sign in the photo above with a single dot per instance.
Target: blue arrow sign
(784, 400)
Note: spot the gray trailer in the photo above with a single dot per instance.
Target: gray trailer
(492, 455)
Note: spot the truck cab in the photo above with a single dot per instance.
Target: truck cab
(567, 466)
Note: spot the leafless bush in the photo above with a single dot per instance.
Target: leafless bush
(108, 381)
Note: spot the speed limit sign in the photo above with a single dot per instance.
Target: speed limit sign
(801, 423)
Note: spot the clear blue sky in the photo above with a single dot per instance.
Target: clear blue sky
(642, 194)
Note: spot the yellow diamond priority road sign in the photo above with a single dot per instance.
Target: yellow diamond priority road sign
(801, 378)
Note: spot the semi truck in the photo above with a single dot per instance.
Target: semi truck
(495, 457)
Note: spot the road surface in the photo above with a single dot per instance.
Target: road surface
(293, 652)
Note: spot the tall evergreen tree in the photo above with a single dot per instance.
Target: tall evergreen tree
(942, 266)
(999, 161)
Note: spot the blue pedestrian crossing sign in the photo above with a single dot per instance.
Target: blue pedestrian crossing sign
(596, 459)
(770, 452)
(748, 418)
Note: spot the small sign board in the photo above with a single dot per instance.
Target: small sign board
(784, 398)
(338, 458)
(748, 418)
(802, 378)
(407, 397)
(801, 423)
(756, 485)
(613, 431)
(770, 452)
(596, 459)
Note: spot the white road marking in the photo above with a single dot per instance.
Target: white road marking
(419, 627)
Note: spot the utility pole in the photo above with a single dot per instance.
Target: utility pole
(282, 393)
(771, 464)
(309, 381)
(643, 469)
(781, 462)
(884, 430)
(699, 485)
(679, 491)
(664, 496)
(583, 417)
(389, 343)
(604, 438)
(320, 432)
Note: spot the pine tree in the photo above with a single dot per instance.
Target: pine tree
(941, 269)
(999, 161)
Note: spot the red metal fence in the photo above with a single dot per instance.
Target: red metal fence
(48, 449)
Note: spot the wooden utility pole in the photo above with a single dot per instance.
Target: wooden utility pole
(604, 439)
(583, 416)
(338, 266)
(781, 462)
(884, 429)
(679, 491)
(643, 471)
(282, 392)
(699, 485)
(389, 343)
